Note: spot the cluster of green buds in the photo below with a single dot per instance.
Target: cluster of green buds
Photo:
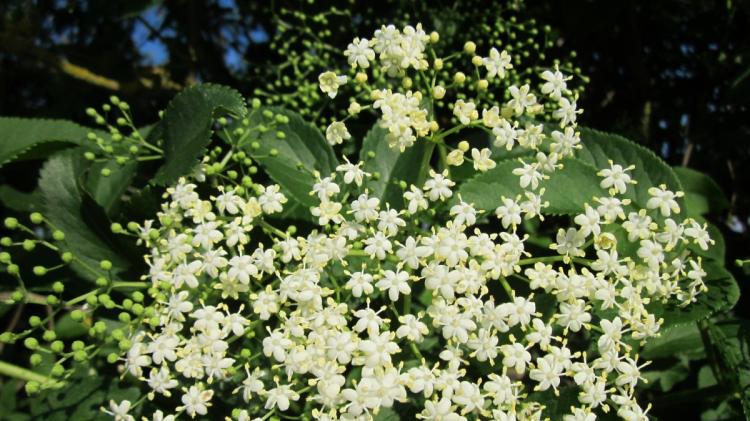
(62, 327)
(310, 39)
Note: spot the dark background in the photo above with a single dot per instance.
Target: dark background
(673, 75)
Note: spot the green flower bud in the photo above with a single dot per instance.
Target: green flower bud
(29, 244)
(11, 223)
(30, 343)
(13, 269)
(57, 346)
(77, 345)
(58, 287)
(49, 336)
(105, 265)
(39, 270)
(17, 296)
(58, 235)
(57, 370)
(36, 218)
(32, 387)
(77, 315)
(92, 300)
(137, 309)
(35, 359)
(118, 334)
(124, 344)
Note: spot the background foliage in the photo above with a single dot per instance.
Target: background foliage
(673, 75)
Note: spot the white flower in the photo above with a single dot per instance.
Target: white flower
(699, 234)
(359, 53)
(280, 396)
(515, 356)
(497, 63)
(271, 200)
(160, 381)
(509, 212)
(529, 175)
(276, 344)
(377, 246)
(505, 135)
(664, 200)
(465, 111)
(328, 211)
(589, 222)
(410, 252)
(547, 373)
(416, 200)
(360, 283)
(197, 401)
(120, 411)
(554, 84)
(336, 133)
(389, 222)
(242, 268)
(352, 172)
(411, 328)
(463, 214)
(395, 283)
(616, 178)
(365, 208)
(438, 187)
(330, 82)
(522, 98)
(482, 160)
(567, 112)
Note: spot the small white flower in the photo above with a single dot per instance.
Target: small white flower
(497, 63)
(482, 160)
(336, 133)
(196, 401)
(120, 411)
(330, 82)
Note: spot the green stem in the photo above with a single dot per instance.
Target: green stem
(21, 373)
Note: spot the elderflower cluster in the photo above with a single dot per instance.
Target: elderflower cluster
(435, 303)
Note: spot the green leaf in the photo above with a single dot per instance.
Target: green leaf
(64, 207)
(566, 190)
(302, 151)
(387, 414)
(684, 338)
(20, 201)
(556, 406)
(668, 377)
(702, 194)
(19, 136)
(599, 148)
(392, 165)
(731, 341)
(186, 126)
(723, 293)
(107, 191)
